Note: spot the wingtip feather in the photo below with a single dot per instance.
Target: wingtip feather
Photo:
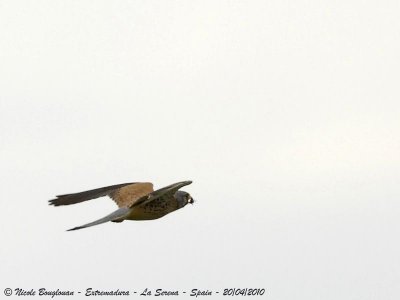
(75, 228)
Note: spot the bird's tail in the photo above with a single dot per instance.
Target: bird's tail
(116, 215)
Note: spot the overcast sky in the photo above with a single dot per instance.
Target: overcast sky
(285, 114)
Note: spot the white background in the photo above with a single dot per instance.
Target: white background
(285, 114)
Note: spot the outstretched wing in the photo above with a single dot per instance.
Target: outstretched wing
(115, 216)
(168, 190)
(125, 195)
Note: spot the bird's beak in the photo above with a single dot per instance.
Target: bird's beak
(191, 201)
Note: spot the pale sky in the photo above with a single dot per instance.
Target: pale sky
(285, 114)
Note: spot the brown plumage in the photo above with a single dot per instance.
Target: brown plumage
(136, 201)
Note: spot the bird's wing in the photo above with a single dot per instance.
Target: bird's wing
(170, 189)
(128, 195)
(124, 194)
(115, 216)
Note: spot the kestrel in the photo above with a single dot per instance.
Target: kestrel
(136, 201)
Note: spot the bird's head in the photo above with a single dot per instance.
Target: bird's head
(183, 198)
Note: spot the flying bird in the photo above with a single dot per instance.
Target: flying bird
(136, 201)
